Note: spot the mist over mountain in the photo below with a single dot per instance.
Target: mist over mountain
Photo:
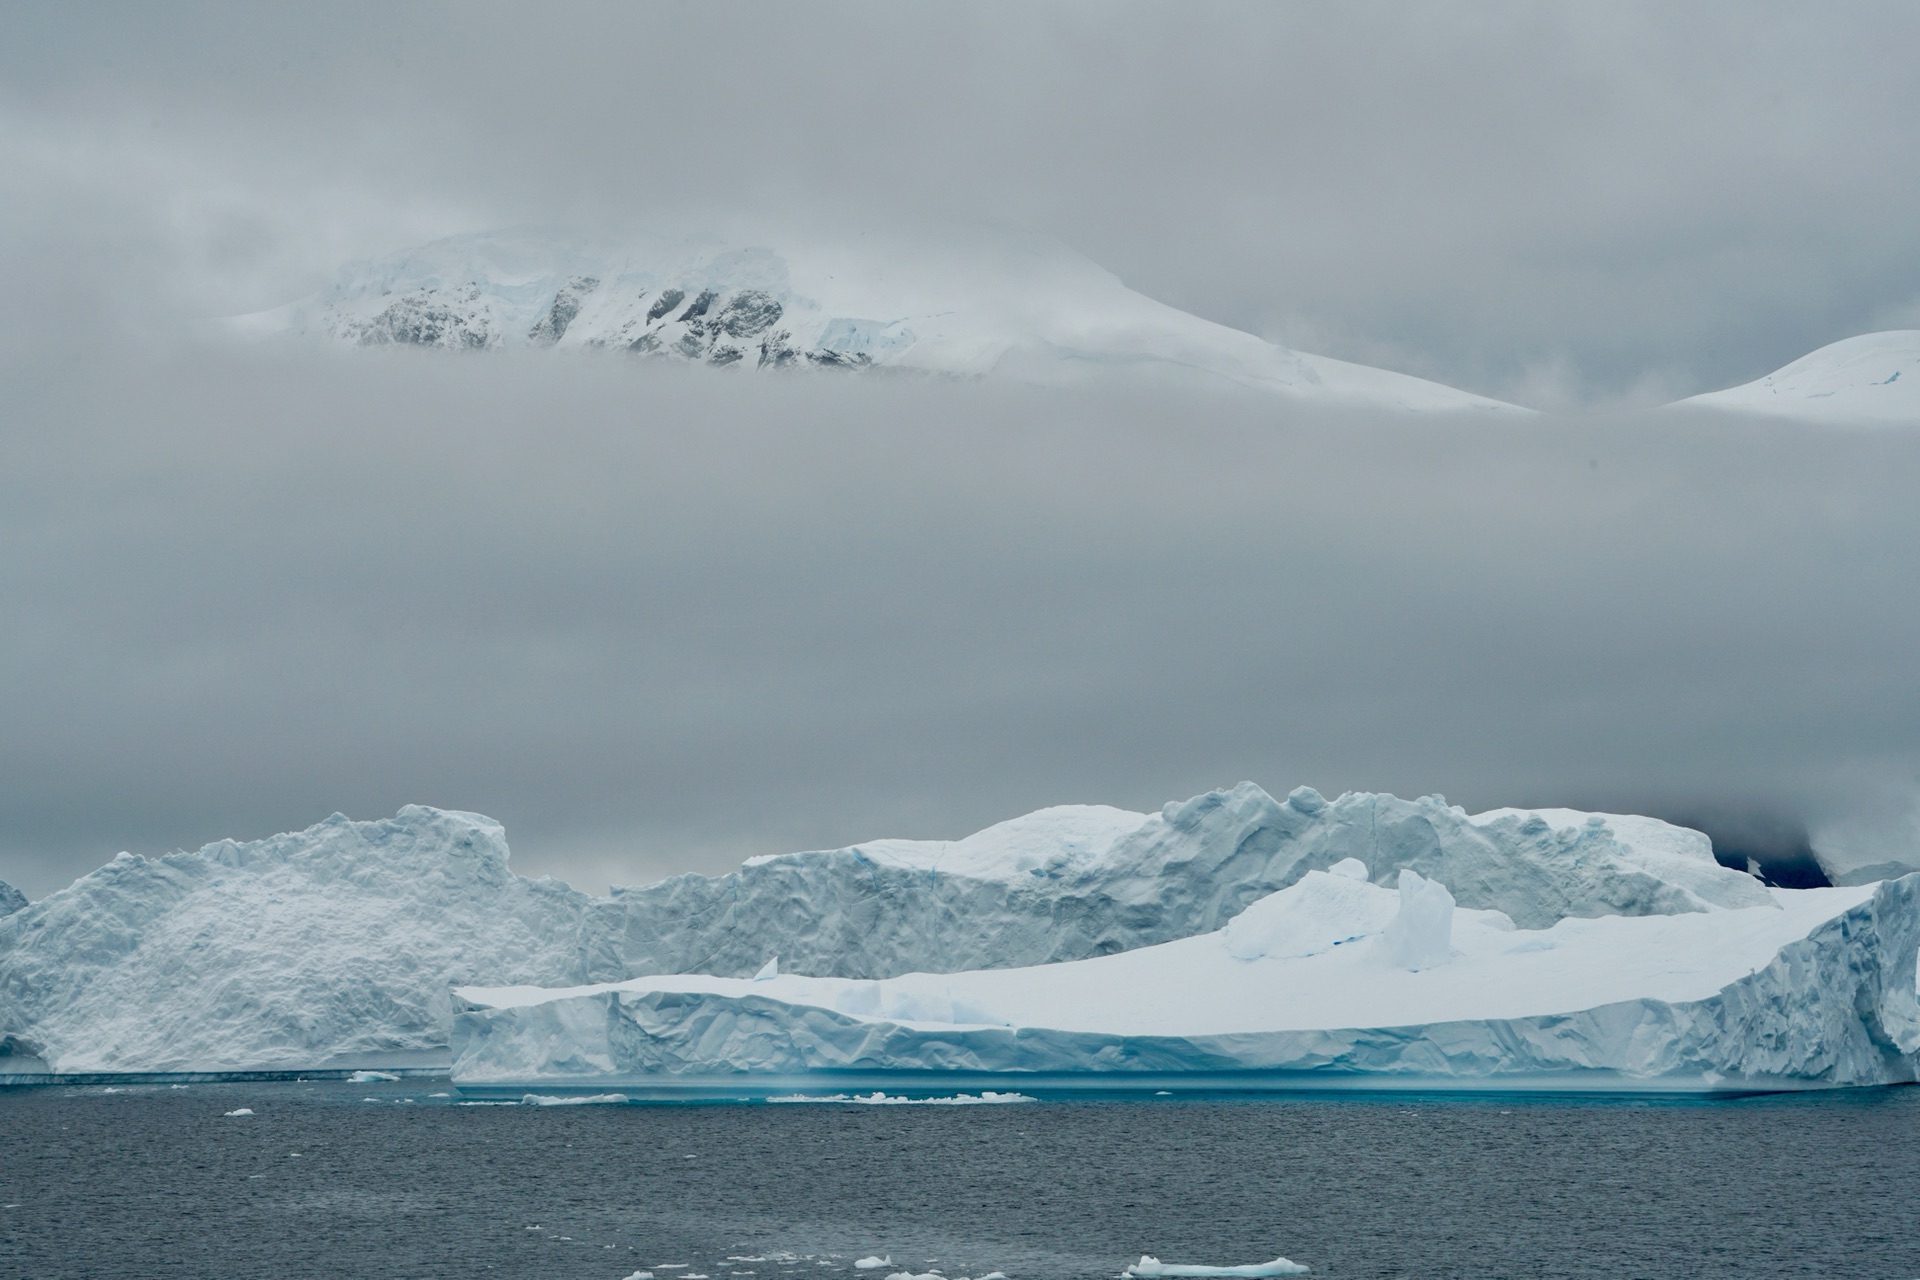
(967, 304)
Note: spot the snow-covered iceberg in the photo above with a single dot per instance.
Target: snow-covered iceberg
(336, 946)
(1331, 982)
(967, 304)
(1872, 379)
(1077, 881)
(332, 946)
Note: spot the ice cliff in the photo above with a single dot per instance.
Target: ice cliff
(330, 946)
(338, 944)
(1331, 982)
(966, 305)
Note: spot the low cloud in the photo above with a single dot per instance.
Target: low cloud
(659, 619)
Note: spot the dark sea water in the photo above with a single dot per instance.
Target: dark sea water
(320, 1181)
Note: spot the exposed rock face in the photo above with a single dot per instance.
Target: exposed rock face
(566, 305)
(1027, 311)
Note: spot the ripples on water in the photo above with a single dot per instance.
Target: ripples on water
(355, 1180)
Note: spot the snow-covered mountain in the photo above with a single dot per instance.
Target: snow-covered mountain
(337, 945)
(967, 306)
(1873, 379)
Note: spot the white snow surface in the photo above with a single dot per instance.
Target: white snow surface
(335, 946)
(1818, 988)
(1872, 379)
(969, 303)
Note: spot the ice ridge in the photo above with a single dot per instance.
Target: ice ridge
(11, 899)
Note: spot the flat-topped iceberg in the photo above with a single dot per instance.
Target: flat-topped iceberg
(336, 946)
(1333, 981)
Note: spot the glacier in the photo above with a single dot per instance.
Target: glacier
(1869, 380)
(972, 304)
(338, 946)
(1398, 987)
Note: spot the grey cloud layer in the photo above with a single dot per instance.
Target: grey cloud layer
(1551, 203)
(657, 621)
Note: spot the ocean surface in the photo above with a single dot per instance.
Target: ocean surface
(384, 1180)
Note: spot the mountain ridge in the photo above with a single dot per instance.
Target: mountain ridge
(1001, 307)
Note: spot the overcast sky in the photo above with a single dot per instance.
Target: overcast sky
(658, 622)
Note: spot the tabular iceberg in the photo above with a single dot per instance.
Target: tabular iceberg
(335, 946)
(1331, 982)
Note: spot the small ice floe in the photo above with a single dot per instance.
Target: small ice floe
(877, 1099)
(935, 1275)
(111, 1089)
(239, 1111)
(771, 969)
(439, 1095)
(590, 1100)
(873, 1261)
(372, 1077)
(1150, 1267)
(639, 1275)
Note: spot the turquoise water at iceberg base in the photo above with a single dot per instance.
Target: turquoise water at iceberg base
(343, 1180)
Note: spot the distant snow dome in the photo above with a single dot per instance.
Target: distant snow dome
(1871, 380)
(965, 305)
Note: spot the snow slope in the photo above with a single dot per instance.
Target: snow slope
(967, 306)
(1873, 379)
(11, 899)
(336, 945)
(1335, 980)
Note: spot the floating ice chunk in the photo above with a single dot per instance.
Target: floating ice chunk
(239, 1111)
(1150, 1266)
(878, 1099)
(594, 1099)
(639, 1275)
(1349, 869)
(1421, 935)
(372, 1077)
(771, 969)
(873, 1261)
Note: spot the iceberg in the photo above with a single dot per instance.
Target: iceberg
(1816, 989)
(11, 899)
(1151, 1268)
(330, 947)
(336, 947)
